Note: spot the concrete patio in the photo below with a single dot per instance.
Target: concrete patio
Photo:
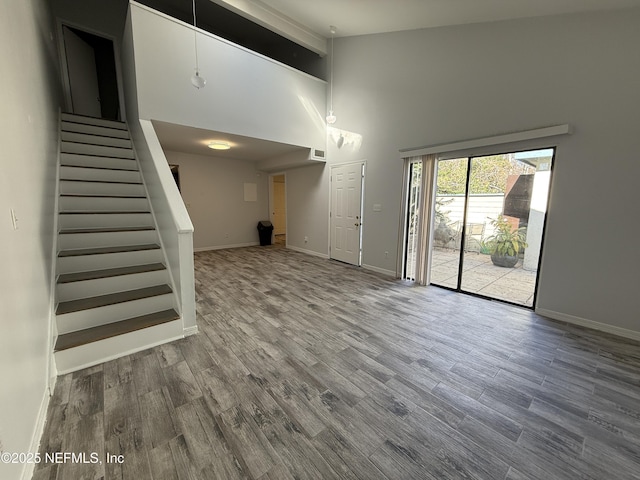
(482, 277)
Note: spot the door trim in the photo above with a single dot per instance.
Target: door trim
(286, 210)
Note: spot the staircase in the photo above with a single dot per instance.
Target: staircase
(113, 290)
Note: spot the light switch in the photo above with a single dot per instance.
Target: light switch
(377, 207)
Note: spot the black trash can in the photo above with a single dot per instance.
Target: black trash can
(265, 229)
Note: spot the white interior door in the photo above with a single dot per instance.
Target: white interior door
(83, 76)
(346, 212)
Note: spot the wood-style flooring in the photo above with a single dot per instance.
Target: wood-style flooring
(306, 368)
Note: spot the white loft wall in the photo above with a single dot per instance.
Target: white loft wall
(213, 190)
(434, 86)
(246, 93)
(29, 97)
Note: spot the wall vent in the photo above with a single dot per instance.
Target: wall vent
(318, 153)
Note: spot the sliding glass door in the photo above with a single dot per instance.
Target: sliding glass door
(489, 217)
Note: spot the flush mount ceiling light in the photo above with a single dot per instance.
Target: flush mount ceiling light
(219, 145)
(331, 118)
(197, 80)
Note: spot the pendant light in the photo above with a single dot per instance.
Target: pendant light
(197, 80)
(331, 118)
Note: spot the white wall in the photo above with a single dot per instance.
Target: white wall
(434, 86)
(29, 97)
(246, 93)
(308, 209)
(213, 190)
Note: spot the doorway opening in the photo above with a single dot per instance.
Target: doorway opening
(175, 172)
(278, 202)
(488, 217)
(90, 74)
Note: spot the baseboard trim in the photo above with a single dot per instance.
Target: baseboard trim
(583, 322)
(224, 247)
(187, 332)
(308, 252)
(38, 429)
(383, 271)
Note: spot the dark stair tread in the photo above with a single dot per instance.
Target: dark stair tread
(104, 250)
(111, 299)
(109, 272)
(101, 195)
(101, 332)
(93, 134)
(91, 155)
(91, 167)
(105, 212)
(69, 231)
(63, 142)
(99, 181)
(69, 116)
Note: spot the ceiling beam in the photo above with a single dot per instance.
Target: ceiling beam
(277, 22)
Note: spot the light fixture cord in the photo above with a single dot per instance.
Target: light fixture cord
(331, 74)
(195, 36)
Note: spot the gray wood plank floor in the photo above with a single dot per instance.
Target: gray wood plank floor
(306, 368)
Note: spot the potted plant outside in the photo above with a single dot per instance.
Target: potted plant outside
(505, 243)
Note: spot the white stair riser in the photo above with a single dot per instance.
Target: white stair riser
(74, 321)
(69, 147)
(99, 188)
(104, 286)
(104, 162)
(94, 353)
(94, 130)
(110, 239)
(95, 139)
(98, 174)
(70, 117)
(84, 263)
(90, 220)
(102, 203)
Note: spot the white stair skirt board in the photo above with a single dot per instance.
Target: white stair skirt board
(95, 139)
(89, 220)
(93, 317)
(99, 175)
(98, 162)
(100, 188)
(92, 240)
(94, 130)
(104, 286)
(101, 351)
(85, 263)
(70, 117)
(109, 203)
(98, 150)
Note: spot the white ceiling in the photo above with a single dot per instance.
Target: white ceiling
(359, 17)
(180, 138)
